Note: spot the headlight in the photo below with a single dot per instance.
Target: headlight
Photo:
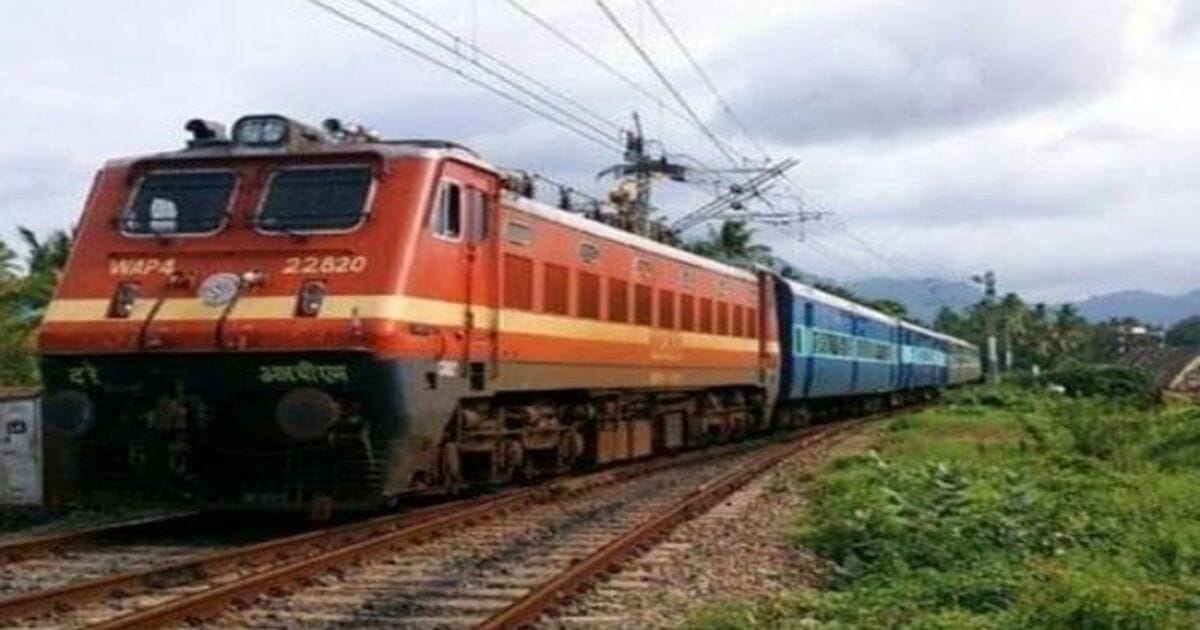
(69, 413)
(305, 414)
(261, 130)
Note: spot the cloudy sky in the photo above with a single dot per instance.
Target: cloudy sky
(1057, 142)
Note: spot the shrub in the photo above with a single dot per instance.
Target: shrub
(1108, 381)
(1006, 508)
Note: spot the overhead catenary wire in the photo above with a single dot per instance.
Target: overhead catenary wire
(704, 76)
(600, 140)
(525, 76)
(666, 82)
(596, 59)
(392, 17)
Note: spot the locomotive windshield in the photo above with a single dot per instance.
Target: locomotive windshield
(315, 199)
(180, 202)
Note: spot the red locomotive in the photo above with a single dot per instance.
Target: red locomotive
(292, 314)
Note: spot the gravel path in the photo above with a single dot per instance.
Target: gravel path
(738, 550)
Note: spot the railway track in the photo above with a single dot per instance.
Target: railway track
(37, 567)
(24, 548)
(498, 560)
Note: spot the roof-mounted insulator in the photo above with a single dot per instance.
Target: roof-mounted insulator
(520, 183)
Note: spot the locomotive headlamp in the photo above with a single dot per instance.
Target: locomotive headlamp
(275, 131)
(123, 300)
(69, 413)
(305, 414)
(261, 130)
(312, 296)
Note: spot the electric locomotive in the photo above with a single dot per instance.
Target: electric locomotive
(289, 314)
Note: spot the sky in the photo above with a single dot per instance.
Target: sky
(1057, 143)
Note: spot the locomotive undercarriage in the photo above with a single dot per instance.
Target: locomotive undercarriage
(524, 436)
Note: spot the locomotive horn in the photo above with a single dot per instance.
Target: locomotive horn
(205, 132)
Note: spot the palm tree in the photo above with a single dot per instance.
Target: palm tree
(23, 299)
(48, 256)
(733, 243)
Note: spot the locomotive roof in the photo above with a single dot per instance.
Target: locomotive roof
(602, 230)
(427, 149)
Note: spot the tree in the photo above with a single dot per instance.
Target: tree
(25, 291)
(733, 243)
(890, 307)
(1185, 333)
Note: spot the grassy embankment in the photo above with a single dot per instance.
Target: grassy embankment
(1004, 509)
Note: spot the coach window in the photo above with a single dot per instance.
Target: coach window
(447, 217)
(752, 323)
(642, 297)
(180, 202)
(738, 321)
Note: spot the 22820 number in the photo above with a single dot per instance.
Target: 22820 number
(324, 264)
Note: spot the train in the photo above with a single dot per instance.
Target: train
(286, 315)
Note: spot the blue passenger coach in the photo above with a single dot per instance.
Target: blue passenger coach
(832, 348)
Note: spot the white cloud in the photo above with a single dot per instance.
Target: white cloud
(1053, 141)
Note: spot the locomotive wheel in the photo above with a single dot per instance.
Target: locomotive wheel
(570, 447)
(510, 458)
(451, 465)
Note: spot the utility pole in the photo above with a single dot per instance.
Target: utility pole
(632, 195)
(988, 280)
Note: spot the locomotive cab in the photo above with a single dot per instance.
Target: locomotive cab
(230, 326)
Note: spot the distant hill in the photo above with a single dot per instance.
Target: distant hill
(924, 298)
(1152, 308)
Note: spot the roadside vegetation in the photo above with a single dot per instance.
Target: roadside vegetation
(1007, 508)
(26, 285)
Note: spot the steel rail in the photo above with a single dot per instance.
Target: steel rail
(544, 597)
(387, 534)
(28, 547)
(191, 568)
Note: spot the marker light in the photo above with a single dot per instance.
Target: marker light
(312, 296)
(123, 299)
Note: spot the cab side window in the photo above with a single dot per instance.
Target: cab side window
(478, 209)
(448, 215)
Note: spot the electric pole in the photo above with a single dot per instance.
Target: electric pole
(637, 172)
(988, 280)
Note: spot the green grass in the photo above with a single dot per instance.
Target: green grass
(1004, 508)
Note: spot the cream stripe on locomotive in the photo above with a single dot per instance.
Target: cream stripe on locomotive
(400, 308)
